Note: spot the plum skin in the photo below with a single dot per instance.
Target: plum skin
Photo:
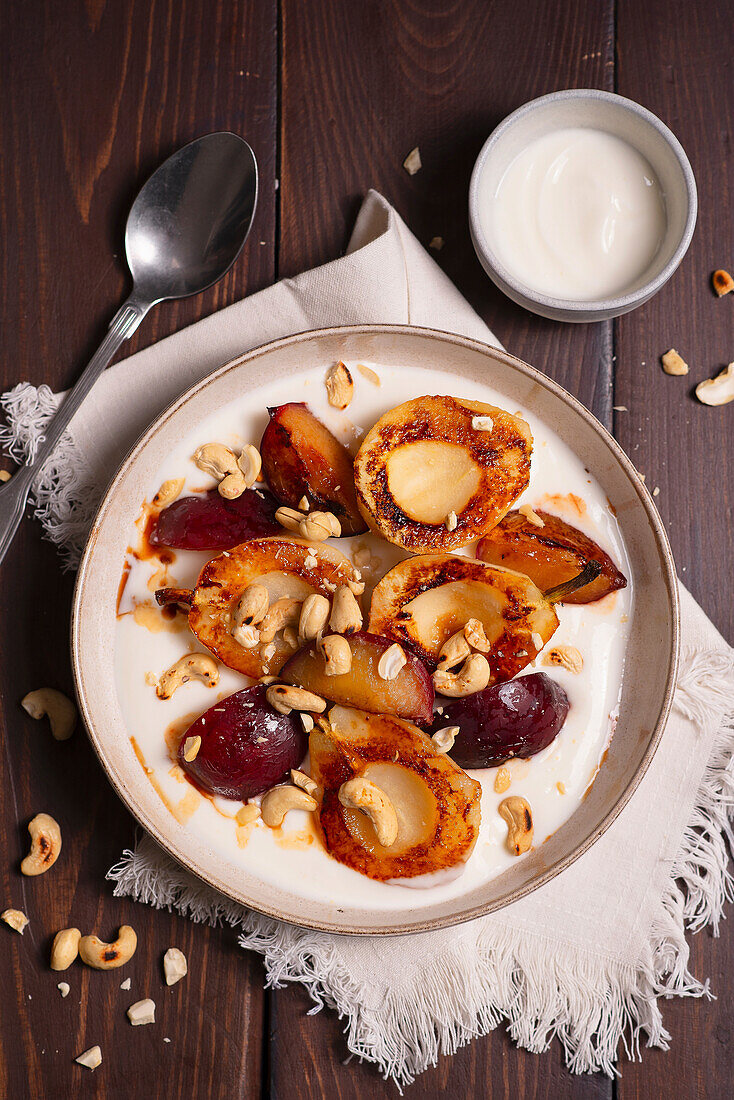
(231, 761)
(519, 717)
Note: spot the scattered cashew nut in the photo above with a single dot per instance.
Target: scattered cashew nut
(443, 740)
(142, 1012)
(279, 800)
(15, 918)
(108, 956)
(286, 697)
(305, 782)
(284, 612)
(566, 656)
(392, 661)
(194, 666)
(45, 845)
(314, 616)
(60, 710)
(65, 948)
(320, 526)
(175, 966)
(220, 462)
(169, 491)
(91, 1058)
(339, 386)
(363, 794)
(718, 390)
(473, 676)
(346, 617)
(338, 655)
(250, 464)
(516, 812)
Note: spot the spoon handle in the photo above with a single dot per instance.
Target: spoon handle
(14, 493)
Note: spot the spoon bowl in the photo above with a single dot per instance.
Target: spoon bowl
(189, 222)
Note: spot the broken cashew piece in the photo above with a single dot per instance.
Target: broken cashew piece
(673, 363)
(319, 526)
(250, 464)
(337, 653)
(279, 800)
(284, 612)
(45, 845)
(91, 1058)
(473, 676)
(48, 702)
(339, 386)
(364, 795)
(454, 651)
(718, 390)
(392, 662)
(142, 1012)
(16, 919)
(286, 697)
(175, 966)
(169, 491)
(314, 616)
(346, 617)
(108, 956)
(516, 812)
(443, 740)
(252, 606)
(305, 782)
(194, 666)
(65, 948)
(476, 637)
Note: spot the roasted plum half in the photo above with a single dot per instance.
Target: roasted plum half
(246, 747)
(208, 521)
(408, 695)
(301, 458)
(436, 804)
(289, 568)
(550, 555)
(518, 718)
(437, 472)
(423, 601)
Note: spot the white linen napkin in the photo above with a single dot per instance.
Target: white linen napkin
(585, 957)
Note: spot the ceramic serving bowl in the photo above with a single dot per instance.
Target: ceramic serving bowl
(650, 660)
(625, 119)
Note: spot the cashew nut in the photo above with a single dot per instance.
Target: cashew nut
(391, 662)
(108, 956)
(285, 697)
(443, 740)
(518, 815)
(304, 504)
(279, 800)
(346, 616)
(60, 710)
(191, 748)
(473, 676)
(250, 463)
(284, 612)
(502, 780)
(175, 966)
(169, 491)
(673, 363)
(194, 666)
(142, 1012)
(246, 636)
(338, 654)
(91, 1058)
(531, 515)
(247, 814)
(289, 518)
(252, 606)
(220, 462)
(45, 845)
(567, 656)
(314, 616)
(16, 919)
(718, 390)
(475, 636)
(300, 779)
(65, 948)
(451, 522)
(339, 386)
(453, 651)
(364, 795)
(320, 526)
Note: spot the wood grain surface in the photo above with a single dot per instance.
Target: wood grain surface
(331, 96)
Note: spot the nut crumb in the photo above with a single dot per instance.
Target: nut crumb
(673, 363)
(502, 780)
(452, 521)
(15, 919)
(64, 989)
(191, 748)
(436, 243)
(482, 423)
(175, 967)
(561, 787)
(126, 984)
(90, 1058)
(723, 282)
(142, 1012)
(371, 375)
(412, 162)
(339, 386)
(5, 475)
(620, 408)
(530, 515)
(656, 491)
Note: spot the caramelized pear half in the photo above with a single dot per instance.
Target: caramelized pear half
(409, 694)
(301, 458)
(550, 555)
(287, 567)
(436, 803)
(436, 472)
(422, 601)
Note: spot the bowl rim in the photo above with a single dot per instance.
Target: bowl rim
(84, 690)
(620, 303)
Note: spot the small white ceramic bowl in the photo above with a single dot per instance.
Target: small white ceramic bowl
(624, 119)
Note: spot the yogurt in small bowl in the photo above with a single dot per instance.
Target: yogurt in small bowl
(581, 206)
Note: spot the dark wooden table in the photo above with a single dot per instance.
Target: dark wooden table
(331, 94)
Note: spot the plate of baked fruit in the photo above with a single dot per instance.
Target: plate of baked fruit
(376, 629)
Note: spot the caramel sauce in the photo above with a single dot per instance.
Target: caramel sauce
(149, 773)
(149, 616)
(302, 838)
(121, 587)
(188, 805)
(566, 502)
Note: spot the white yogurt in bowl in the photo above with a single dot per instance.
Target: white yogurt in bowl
(579, 213)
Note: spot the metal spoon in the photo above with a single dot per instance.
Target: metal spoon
(185, 230)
